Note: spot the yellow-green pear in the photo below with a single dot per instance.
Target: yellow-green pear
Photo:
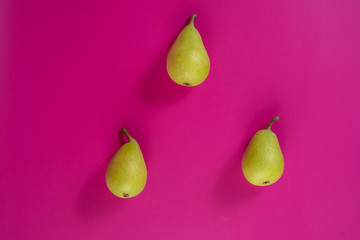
(187, 62)
(263, 161)
(126, 173)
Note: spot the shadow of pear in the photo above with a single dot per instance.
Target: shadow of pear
(95, 200)
(156, 87)
(232, 188)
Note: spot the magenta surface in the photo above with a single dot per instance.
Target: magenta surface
(72, 73)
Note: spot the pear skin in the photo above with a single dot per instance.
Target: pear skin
(126, 173)
(188, 63)
(263, 161)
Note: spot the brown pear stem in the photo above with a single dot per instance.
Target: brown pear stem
(126, 133)
(192, 19)
(271, 122)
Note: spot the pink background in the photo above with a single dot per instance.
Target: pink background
(72, 73)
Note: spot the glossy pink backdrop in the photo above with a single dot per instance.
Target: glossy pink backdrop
(72, 73)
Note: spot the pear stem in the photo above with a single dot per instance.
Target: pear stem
(126, 133)
(192, 19)
(271, 122)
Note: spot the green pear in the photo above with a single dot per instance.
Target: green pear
(126, 173)
(263, 162)
(187, 62)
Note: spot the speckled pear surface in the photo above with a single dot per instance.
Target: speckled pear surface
(263, 162)
(126, 173)
(187, 62)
